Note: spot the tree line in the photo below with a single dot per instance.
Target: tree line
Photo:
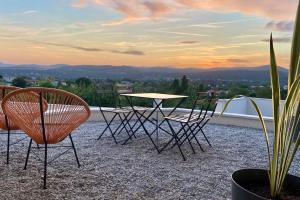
(90, 90)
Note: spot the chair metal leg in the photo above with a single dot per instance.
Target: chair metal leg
(73, 146)
(123, 122)
(127, 122)
(179, 147)
(171, 140)
(147, 133)
(28, 152)
(187, 136)
(8, 145)
(45, 167)
(181, 137)
(200, 128)
(107, 127)
(139, 117)
(142, 122)
(134, 113)
(205, 137)
(176, 140)
(194, 136)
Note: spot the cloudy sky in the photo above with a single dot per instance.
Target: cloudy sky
(181, 33)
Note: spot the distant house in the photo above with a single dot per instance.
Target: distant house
(63, 83)
(124, 87)
(55, 83)
(31, 82)
(8, 79)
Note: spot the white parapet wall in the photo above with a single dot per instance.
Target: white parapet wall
(240, 112)
(244, 106)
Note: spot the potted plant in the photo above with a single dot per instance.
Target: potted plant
(275, 183)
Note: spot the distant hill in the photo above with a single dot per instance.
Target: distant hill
(62, 71)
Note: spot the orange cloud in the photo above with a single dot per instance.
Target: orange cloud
(151, 9)
(132, 9)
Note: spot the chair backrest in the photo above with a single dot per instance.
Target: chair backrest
(206, 101)
(123, 88)
(47, 115)
(110, 95)
(106, 96)
(4, 121)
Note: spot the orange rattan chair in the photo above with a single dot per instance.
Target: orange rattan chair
(6, 124)
(56, 119)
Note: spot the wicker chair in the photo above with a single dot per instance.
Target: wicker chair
(59, 113)
(6, 124)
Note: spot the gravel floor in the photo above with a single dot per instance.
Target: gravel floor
(135, 170)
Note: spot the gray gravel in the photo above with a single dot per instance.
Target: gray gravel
(135, 170)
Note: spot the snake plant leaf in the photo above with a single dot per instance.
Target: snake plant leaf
(291, 108)
(295, 52)
(227, 103)
(262, 121)
(275, 85)
(276, 113)
(286, 121)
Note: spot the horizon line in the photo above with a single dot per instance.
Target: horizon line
(136, 66)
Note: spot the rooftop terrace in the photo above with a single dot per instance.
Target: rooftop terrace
(135, 170)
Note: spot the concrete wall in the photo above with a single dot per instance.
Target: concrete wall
(244, 106)
(237, 106)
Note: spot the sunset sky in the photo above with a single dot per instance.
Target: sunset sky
(180, 33)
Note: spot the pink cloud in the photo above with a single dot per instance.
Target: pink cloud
(281, 9)
(280, 25)
(135, 10)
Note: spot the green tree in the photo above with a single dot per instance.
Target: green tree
(263, 92)
(176, 86)
(20, 82)
(1, 79)
(201, 88)
(46, 83)
(83, 81)
(184, 83)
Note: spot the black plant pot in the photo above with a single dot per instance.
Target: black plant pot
(243, 181)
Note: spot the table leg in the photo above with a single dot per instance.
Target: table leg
(157, 129)
(171, 128)
(145, 120)
(172, 111)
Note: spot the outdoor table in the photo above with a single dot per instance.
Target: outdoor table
(158, 100)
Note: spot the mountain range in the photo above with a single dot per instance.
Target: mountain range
(63, 71)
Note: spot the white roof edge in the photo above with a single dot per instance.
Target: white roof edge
(248, 97)
(233, 115)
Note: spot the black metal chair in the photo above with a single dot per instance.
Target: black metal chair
(108, 97)
(193, 123)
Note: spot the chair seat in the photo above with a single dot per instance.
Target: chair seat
(137, 108)
(11, 127)
(185, 118)
(117, 110)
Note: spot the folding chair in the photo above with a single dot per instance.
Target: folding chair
(137, 111)
(193, 123)
(108, 97)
